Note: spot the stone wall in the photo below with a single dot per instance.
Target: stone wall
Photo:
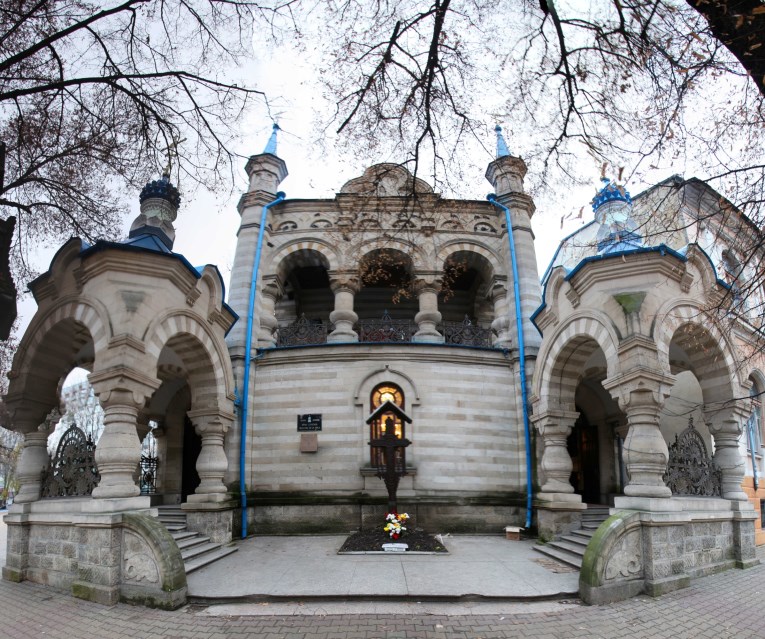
(104, 558)
(467, 437)
(658, 552)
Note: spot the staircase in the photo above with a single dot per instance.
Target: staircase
(570, 548)
(196, 549)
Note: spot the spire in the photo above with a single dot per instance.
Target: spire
(502, 149)
(271, 146)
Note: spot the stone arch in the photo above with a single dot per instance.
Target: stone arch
(688, 339)
(387, 273)
(702, 262)
(467, 277)
(387, 374)
(72, 333)
(367, 246)
(303, 286)
(565, 352)
(200, 354)
(302, 252)
(471, 247)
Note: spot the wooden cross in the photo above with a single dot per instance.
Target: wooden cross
(390, 474)
(171, 150)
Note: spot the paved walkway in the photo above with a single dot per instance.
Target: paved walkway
(725, 606)
(476, 567)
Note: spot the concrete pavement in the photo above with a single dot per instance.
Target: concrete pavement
(724, 606)
(476, 567)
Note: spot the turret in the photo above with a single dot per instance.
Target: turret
(266, 171)
(160, 200)
(506, 174)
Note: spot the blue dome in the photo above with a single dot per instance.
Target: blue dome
(163, 189)
(609, 193)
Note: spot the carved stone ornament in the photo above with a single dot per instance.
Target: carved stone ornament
(138, 561)
(690, 470)
(626, 561)
(72, 471)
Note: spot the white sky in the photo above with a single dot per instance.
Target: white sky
(207, 223)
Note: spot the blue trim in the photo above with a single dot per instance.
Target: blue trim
(560, 246)
(247, 350)
(661, 248)
(377, 344)
(521, 354)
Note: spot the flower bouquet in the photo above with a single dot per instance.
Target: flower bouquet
(394, 524)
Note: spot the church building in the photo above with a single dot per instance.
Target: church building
(628, 377)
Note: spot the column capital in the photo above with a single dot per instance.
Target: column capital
(344, 281)
(272, 287)
(639, 387)
(552, 422)
(123, 385)
(212, 420)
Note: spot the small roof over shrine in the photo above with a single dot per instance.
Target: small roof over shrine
(389, 407)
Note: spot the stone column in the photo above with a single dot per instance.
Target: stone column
(343, 318)
(501, 323)
(429, 316)
(555, 427)
(212, 463)
(34, 457)
(641, 396)
(559, 508)
(266, 331)
(726, 428)
(122, 393)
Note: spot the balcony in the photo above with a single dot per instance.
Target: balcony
(305, 332)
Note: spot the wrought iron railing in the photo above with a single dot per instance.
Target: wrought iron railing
(465, 333)
(386, 330)
(72, 472)
(305, 332)
(302, 333)
(690, 471)
(149, 463)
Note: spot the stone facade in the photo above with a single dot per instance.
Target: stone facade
(389, 294)
(388, 283)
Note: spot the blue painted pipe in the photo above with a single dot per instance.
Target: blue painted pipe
(492, 197)
(247, 348)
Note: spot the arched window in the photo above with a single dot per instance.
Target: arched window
(755, 441)
(382, 393)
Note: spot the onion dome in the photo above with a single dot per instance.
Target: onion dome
(611, 192)
(163, 189)
(613, 211)
(159, 208)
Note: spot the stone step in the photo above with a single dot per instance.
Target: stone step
(575, 540)
(198, 549)
(182, 534)
(208, 558)
(563, 556)
(191, 542)
(586, 535)
(567, 546)
(174, 528)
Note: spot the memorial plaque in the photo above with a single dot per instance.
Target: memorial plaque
(308, 423)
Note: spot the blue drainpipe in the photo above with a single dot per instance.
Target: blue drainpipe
(492, 197)
(247, 348)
